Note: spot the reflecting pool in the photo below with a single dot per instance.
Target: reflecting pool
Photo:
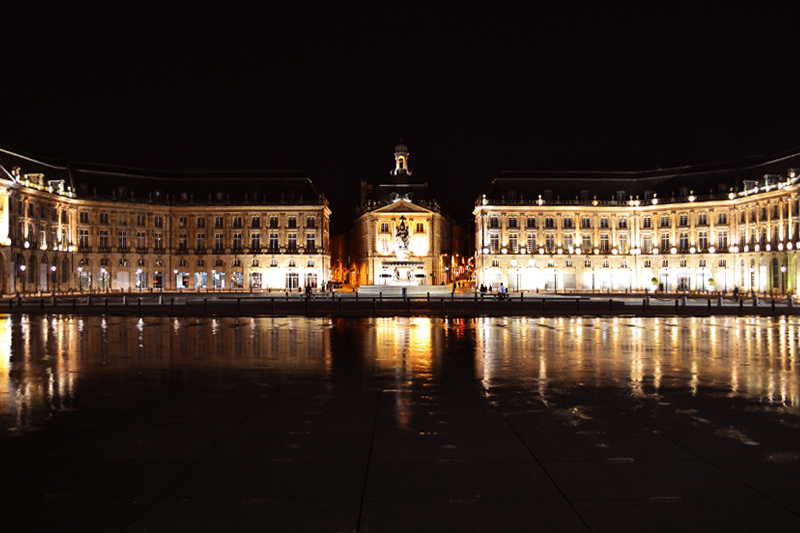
(53, 364)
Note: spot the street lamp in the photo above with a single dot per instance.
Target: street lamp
(80, 282)
(55, 278)
(22, 269)
(783, 278)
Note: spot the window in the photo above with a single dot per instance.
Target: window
(84, 217)
(293, 242)
(665, 263)
(604, 223)
(665, 242)
(272, 262)
(122, 238)
(647, 243)
(550, 242)
(273, 222)
(605, 263)
(586, 242)
(586, 223)
(237, 222)
(140, 220)
(494, 243)
(702, 263)
(158, 221)
(623, 263)
(683, 263)
(218, 242)
(683, 220)
(65, 219)
(255, 222)
(237, 242)
(140, 240)
(566, 223)
(512, 243)
(531, 222)
(623, 243)
(665, 222)
(702, 219)
(495, 263)
(384, 227)
(104, 245)
(310, 263)
(83, 239)
(311, 242)
(683, 240)
(292, 263)
(104, 218)
(273, 242)
(494, 222)
(646, 221)
(549, 222)
(568, 241)
(604, 243)
(182, 222)
(702, 240)
(531, 238)
(420, 228)
(512, 222)
(218, 224)
(311, 222)
(201, 241)
(255, 241)
(292, 222)
(158, 241)
(587, 263)
(722, 218)
(623, 223)
(647, 263)
(123, 219)
(182, 242)
(723, 263)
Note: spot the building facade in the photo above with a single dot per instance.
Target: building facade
(85, 227)
(400, 236)
(704, 228)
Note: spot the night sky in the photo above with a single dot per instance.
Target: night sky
(329, 92)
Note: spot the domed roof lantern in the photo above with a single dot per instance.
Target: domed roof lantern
(401, 160)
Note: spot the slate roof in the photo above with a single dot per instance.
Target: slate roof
(705, 181)
(93, 181)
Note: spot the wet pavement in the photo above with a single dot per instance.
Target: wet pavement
(399, 424)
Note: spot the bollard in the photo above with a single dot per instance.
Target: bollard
(644, 304)
(340, 302)
(741, 305)
(205, 304)
(709, 304)
(683, 301)
(790, 303)
(272, 303)
(11, 304)
(139, 305)
(124, 299)
(374, 305)
(719, 301)
(773, 304)
(577, 305)
(428, 297)
(238, 304)
(73, 304)
(106, 304)
(161, 299)
(676, 304)
(172, 304)
(89, 300)
(380, 295)
(755, 301)
(610, 305)
(41, 304)
(544, 306)
(442, 305)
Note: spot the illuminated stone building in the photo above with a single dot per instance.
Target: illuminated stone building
(699, 228)
(400, 236)
(77, 226)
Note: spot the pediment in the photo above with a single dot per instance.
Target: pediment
(402, 206)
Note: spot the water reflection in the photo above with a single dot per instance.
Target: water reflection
(50, 364)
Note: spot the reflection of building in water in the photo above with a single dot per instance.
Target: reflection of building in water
(44, 361)
(408, 350)
(753, 357)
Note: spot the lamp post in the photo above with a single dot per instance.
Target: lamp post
(22, 269)
(175, 278)
(783, 279)
(80, 282)
(55, 278)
